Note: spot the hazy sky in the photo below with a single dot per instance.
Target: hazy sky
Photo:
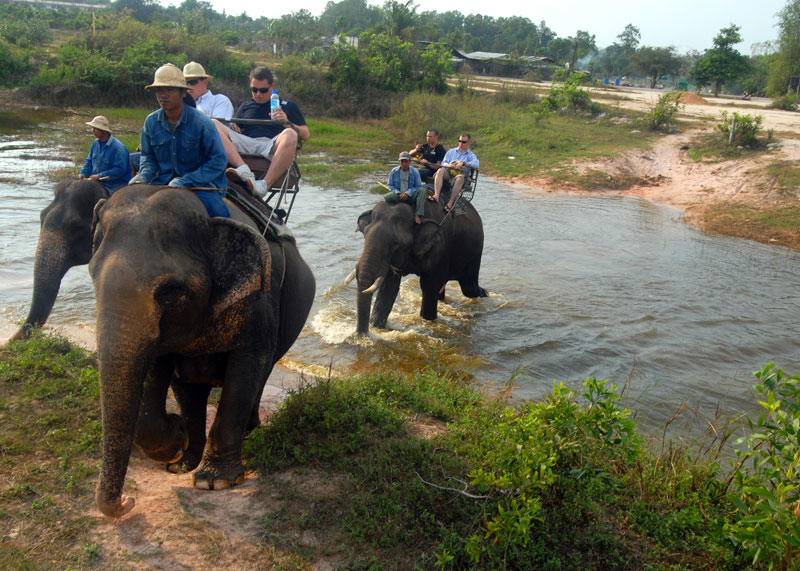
(685, 24)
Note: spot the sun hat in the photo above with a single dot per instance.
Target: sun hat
(194, 70)
(404, 156)
(168, 75)
(100, 122)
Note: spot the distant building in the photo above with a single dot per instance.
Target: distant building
(56, 4)
(506, 65)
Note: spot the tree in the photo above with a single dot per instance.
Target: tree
(400, 19)
(629, 39)
(721, 63)
(787, 60)
(655, 62)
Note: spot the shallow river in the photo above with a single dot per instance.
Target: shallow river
(601, 286)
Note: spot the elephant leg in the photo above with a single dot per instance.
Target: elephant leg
(469, 279)
(193, 400)
(432, 289)
(162, 436)
(221, 466)
(385, 300)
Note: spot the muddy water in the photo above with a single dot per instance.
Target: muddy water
(609, 287)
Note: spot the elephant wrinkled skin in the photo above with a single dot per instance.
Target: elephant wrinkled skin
(440, 249)
(191, 302)
(64, 241)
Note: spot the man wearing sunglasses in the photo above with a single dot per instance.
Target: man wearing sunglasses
(275, 142)
(460, 160)
(212, 104)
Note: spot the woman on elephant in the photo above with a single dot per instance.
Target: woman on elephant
(181, 146)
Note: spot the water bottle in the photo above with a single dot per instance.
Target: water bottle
(274, 103)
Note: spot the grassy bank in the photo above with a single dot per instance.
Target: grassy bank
(386, 472)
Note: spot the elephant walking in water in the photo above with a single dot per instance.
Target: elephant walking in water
(440, 249)
(191, 302)
(64, 241)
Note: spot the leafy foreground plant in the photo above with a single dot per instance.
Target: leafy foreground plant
(564, 483)
(766, 477)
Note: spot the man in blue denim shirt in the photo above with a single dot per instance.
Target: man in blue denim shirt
(108, 161)
(405, 185)
(181, 146)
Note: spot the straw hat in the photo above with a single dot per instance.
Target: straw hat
(168, 75)
(100, 122)
(194, 70)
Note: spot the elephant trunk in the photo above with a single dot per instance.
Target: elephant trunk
(370, 275)
(127, 337)
(50, 265)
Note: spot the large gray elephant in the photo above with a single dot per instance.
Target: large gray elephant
(191, 302)
(440, 249)
(64, 241)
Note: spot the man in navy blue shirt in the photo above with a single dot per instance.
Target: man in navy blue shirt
(108, 161)
(275, 142)
(181, 146)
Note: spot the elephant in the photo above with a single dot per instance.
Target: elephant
(188, 302)
(441, 248)
(64, 241)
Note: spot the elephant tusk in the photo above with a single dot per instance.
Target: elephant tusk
(374, 287)
(350, 276)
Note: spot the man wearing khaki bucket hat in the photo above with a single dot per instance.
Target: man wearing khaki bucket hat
(108, 161)
(181, 146)
(212, 104)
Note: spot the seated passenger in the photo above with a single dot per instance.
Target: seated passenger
(430, 154)
(275, 142)
(108, 161)
(213, 105)
(461, 159)
(405, 185)
(181, 146)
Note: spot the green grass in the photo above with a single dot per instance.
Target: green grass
(786, 176)
(49, 441)
(575, 478)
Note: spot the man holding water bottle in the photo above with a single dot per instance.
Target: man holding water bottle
(278, 143)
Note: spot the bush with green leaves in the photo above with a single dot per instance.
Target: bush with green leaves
(746, 128)
(663, 114)
(25, 32)
(567, 98)
(787, 102)
(13, 63)
(766, 477)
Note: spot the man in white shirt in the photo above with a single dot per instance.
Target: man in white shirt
(460, 159)
(213, 105)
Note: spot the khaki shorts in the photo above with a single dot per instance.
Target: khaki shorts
(250, 146)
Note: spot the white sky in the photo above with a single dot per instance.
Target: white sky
(685, 24)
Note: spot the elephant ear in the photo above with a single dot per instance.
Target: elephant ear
(97, 229)
(429, 243)
(364, 220)
(240, 263)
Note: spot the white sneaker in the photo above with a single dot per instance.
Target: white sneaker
(259, 187)
(245, 172)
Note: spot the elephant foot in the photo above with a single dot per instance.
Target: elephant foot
(211, 479)
(169, 449)
(186, 463)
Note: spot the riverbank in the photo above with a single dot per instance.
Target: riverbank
(726, 197)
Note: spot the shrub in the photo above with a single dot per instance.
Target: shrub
(766, 478)
(567, 98)
(745, 131)
(786, 102)
(663, 114)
